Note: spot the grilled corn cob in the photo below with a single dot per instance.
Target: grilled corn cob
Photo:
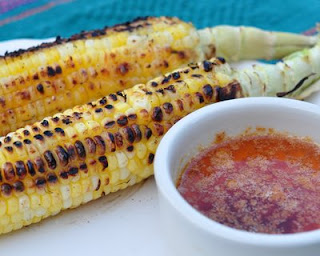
(43, 80)
(106, 145)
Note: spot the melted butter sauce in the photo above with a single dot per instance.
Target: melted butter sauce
(259, 183)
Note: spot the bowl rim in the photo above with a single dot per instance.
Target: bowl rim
(166, 186)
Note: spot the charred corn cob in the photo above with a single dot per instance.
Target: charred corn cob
(106, 145)
(52, 77)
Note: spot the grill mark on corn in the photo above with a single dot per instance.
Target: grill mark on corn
(51, 161)
(91, 145)
(39, 164)
(122, 121)
(52, 178)
(8, 171)
(73, 171)
(80, 149)
(30, 167)
(62, 155)
(100, 145)
(20, 169)
(6, 189)
(137, 132)
(18, 186)
(103, 160)
(71, 152)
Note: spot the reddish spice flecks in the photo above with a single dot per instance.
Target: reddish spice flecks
(259, 183)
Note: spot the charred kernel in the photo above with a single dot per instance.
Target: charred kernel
(157, 114)
(98, 110)
(118, 139)
(130, 148)
(64, 175)
(166, 79)
(35, 129)
(207, 91)
(148, 133)
(180, 105)
(98, 186)
(40, 182)
(80, 149)
(171, 88)
(71, 152)
(26, 141)
(18, 186)
(20, 169)
(109, 124)
(30, 167)
(91, 145)
(7, 139)
(103, 160)
(129, 134)
(35, 77)
(113, 97)
(77, 115)
(8, 171)
(196, 75)
(122, 121)
(149, 93)
(73, 171)
(6, 189)
(50, 71)
(102, 101)
(0, 177)
(132, 117)
(207, 66)
(38, 137)
(200, 97)
(58, 69)
(168, 108)
(39, 165)
(59, 130)
(154, 84)
(66, 121)
(123, 68)
(18, 144)
(40, 88)
(9, 148)
(45, 123)
(62, 155)
(160, 91)
(176, 75)
(26, 132)
(186, 71)
(101, 146)
(50, 159)
(159, 129)
(222, 60)
(137, 132)
(123, 95)
(83, 166)
(108, 106)
(52, 178)
(48, 133)
(150, 158)
(112, 142)
(55, 119)
(193, 65)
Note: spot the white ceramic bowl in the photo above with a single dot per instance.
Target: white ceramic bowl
(190, 232)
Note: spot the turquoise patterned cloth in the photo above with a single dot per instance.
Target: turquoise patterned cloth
(43, 18)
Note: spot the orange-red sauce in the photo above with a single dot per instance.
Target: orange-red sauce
(258, 183)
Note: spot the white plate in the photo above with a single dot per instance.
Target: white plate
(122, 223)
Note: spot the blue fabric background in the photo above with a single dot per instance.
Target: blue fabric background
(70, 18)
